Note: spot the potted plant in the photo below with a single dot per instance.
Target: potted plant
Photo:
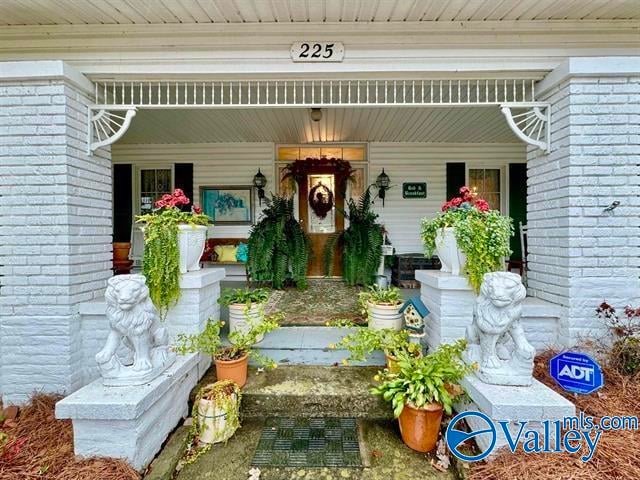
(382, 307)
(216, 411)
(468, 237)
(173, 244)
(278, 246)
(232, 360)
(421, 390)
(246, 308)
(362, 341)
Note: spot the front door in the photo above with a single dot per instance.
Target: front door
(321, 185)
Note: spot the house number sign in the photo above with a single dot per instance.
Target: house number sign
(414, 190)
(317, 52)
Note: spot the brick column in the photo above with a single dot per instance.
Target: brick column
(55, 243)
(580, 254)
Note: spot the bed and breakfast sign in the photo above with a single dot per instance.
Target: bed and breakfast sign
(414, 190)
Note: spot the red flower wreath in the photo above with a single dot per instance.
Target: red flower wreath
(321, 202)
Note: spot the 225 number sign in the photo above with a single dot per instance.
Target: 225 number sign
(317, 52)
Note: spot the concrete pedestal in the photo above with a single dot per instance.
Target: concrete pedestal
(130, 423)
(533, 404)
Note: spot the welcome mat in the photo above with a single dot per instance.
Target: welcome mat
(308, 442)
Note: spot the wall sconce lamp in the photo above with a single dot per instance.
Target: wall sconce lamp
(383, 182)
(260, 181)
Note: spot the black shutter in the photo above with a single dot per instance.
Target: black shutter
(517, 204)
(456, 178)
(122, 202)
(184, 181)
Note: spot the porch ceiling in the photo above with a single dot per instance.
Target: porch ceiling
(64, 12)
(294, 125)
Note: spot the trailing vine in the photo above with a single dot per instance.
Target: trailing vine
(361, 242)
(160, 263)
(482, 234)
(278, 247)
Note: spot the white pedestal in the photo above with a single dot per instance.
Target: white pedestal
(130, 423)
(450, 301)
(533, 404)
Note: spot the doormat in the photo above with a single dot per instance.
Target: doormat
(308, 442)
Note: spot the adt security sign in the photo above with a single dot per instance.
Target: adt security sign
(576, 372)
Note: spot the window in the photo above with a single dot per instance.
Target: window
(487, 183)
(154, 182)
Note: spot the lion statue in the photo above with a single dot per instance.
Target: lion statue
(496, 340)
(134, 322)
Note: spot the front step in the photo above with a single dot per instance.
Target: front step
(313, 391)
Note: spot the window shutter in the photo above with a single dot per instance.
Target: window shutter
(184, 180)
(517, 204)
(122, 202)
(456, 178)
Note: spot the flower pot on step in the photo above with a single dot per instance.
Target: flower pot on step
(191, 240)
(383, 316)
(419, 427)
(217, 418)
(235, 370)
(241, 318)
(452, 258)
(121, 251)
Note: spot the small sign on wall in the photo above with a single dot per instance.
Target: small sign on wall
(317, 52)
(414, 190)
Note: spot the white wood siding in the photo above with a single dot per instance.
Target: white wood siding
(425, 162)
(213, 164)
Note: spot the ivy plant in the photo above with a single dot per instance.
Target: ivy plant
(482, 234)
(361, 242)
(434, 378)
(243, 296)
(278, 247)
(160, 263)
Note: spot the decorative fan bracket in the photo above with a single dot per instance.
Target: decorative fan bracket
(107, 125)
(532, 124)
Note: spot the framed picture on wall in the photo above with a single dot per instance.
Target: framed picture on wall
(228, 205)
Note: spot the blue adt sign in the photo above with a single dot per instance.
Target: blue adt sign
(576, 372)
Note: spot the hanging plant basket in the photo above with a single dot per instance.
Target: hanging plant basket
(321, 200)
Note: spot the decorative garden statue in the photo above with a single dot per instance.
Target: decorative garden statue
(134, 322)
(496, 339)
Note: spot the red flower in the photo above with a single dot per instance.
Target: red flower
(178, 192)
(482, 205)
(464, 190)
(160, 204)
(456, 201)
(167, 198)
(446, 206)
(197, 210)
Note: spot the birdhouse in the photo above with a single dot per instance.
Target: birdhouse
(413, 312)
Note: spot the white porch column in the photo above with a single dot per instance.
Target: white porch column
(55, 243)
(579, 254)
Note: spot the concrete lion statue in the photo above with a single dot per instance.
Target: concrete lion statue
(496, 340)
(135, 324)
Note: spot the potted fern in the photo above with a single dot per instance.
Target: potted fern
(468, 237)
(232, 361)
(278, 247)
(173, 244)
(361, 243)
(246, 308)
(422, 390)
(382, 307)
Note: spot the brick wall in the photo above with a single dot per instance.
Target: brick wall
(55, 244)
(579, 254)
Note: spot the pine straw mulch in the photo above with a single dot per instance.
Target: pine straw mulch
(41, 447)
(617, 453)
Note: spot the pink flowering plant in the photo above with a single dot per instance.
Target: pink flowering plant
(482, 233)
(160, 264)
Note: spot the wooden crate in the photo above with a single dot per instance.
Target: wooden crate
(405, 265)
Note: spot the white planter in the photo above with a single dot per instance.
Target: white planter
(240, 320)
(385, 316)
(451, 257)
(212, 421)
(191, 239)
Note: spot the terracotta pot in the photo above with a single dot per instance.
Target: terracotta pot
(419, 427)
(452, 258)
(121, 251)
(383, 316)
(235, 370)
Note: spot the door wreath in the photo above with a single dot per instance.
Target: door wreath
(321, 200)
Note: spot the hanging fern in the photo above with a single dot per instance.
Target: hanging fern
(361, 243)
(278, 247)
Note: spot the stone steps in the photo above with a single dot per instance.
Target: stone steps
(310, 391)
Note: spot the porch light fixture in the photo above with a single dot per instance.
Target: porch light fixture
(260, 181)
(316, 114)
(383, 182)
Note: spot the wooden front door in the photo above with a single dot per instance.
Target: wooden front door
(320, 229)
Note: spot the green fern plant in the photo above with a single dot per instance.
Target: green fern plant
(278, 247)
(361, 243)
